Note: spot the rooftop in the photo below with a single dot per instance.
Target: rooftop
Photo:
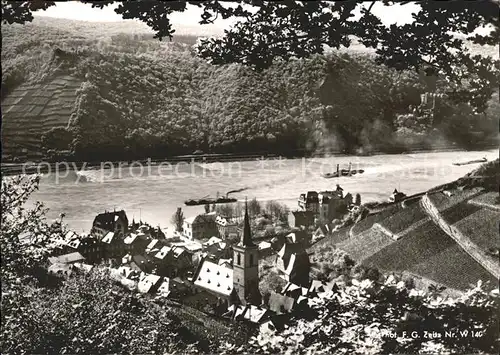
(251, 313)
(212, 240)
(130, 238)
(216, 278)
(224, 221)
(147, 282)
(177, 251)
(201, 218)
(108, 238)
(162, 254)
(67, 258)
(153, 246)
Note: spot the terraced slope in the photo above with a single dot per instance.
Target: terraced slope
(482, 229)
(458, 212)
(31, 110)
(487, 200)
(403, 219)
(443, 202)
(368, 222)
(429, 252)
(334, 239)
(365, 244)
(450, 216)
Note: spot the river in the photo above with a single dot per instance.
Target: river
(153, 192)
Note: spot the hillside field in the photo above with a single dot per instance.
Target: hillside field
(427, 251)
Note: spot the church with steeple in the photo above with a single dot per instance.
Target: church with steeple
(239, 284)
(246, 267)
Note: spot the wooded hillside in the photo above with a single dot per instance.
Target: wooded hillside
(140, 97)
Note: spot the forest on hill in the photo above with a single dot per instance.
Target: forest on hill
(140, 98)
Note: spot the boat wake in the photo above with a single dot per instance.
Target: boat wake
(89, 176)
(207, 166)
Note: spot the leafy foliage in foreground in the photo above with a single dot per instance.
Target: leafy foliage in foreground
(24, 232)
(367, 317)
(86, 314)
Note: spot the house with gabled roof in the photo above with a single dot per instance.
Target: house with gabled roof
(115, 221)
(127, 272)
(292, 263)
(321, 232)
(164, 289)
(216, 279)
(142, 262)
(298, 236)
(173, 287)
(294, 291)
(136, 243)
(301, 219)
(163, 253)
(154, 246)
(113, 246)
(309, 201)
(324, 205)
(217, 248)
(149, 283)
(202, 226)
(171, 261)
(249, 313)
(225, 226)
(89, 246)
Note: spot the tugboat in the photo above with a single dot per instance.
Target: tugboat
(343, 172)
(207, 200)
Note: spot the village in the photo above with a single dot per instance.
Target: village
(212, 262)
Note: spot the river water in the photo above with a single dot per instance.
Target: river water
(153, 192)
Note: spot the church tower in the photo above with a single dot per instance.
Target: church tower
(246, 267)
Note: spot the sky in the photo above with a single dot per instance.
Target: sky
(77, 11)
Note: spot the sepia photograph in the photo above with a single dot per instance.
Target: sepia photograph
(250, 177)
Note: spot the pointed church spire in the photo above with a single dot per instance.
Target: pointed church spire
(247, 233)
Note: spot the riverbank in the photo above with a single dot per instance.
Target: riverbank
(41, 167)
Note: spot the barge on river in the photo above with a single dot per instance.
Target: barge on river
(484, 160)
(209, 201)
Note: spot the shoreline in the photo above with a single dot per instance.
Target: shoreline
(9, 168)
